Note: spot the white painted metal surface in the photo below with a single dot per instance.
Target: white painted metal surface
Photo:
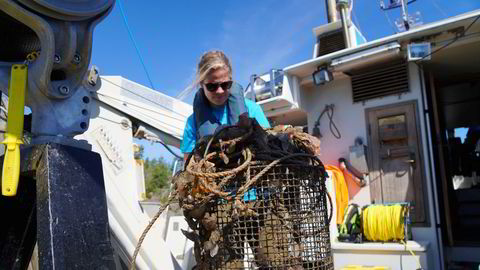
(120, 106)
(286, 107)
(350, 120)
(392, 255)
(274, 105)
(157, 113)
(306, 68)
(180, 246)
(372, 55)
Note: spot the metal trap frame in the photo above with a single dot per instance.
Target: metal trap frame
(286, 225)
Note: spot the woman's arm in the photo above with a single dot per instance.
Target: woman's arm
(255, 111)
(189, 138)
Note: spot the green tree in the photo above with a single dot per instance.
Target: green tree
(157, 178)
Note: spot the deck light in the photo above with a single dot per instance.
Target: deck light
(321, 76)
(419, 51)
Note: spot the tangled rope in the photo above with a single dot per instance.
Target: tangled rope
(232, 151)
(229, 174)
(220, 174)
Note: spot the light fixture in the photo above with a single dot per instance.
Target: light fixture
(321, 76)
(419, 51)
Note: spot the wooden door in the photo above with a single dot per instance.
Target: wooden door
(397, 174)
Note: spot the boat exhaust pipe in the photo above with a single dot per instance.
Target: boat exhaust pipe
(331, 11)
(342, 6)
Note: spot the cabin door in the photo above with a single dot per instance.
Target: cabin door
(396, 174)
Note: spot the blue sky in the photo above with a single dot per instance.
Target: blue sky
(256, 34)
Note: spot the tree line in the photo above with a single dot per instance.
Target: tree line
(158, 175)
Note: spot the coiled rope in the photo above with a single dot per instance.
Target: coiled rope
(386, 223)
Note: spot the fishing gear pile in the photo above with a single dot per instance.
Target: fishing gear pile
(256, 199)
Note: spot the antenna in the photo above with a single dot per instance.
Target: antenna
(413, 21)
(407, 21)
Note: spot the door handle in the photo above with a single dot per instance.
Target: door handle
(411, 161)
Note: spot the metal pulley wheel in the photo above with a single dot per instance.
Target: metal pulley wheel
(69, 10)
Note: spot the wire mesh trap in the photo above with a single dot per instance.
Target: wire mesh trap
(256, 199)
(286, 228)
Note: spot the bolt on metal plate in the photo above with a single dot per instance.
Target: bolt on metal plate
(64, 90)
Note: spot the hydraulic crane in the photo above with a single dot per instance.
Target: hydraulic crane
(60, 203)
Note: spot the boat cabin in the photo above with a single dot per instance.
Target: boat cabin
(406, 110)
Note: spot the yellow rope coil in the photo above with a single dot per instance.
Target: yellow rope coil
(384, 222)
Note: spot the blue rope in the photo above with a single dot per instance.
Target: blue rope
(134, 43)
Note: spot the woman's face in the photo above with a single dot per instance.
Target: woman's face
(219, 96)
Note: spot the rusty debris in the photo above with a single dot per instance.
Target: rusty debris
(256, 199)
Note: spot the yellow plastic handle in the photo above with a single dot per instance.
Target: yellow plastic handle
(11, 169)
(14, 134)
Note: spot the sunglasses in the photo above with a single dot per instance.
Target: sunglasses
(212, 87)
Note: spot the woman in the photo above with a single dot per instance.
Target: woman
(218, 101)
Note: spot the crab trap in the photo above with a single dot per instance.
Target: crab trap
(256, 199)
(280, 222)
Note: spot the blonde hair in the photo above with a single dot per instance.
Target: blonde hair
(209, 61)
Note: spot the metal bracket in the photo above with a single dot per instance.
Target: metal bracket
(59, 91)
